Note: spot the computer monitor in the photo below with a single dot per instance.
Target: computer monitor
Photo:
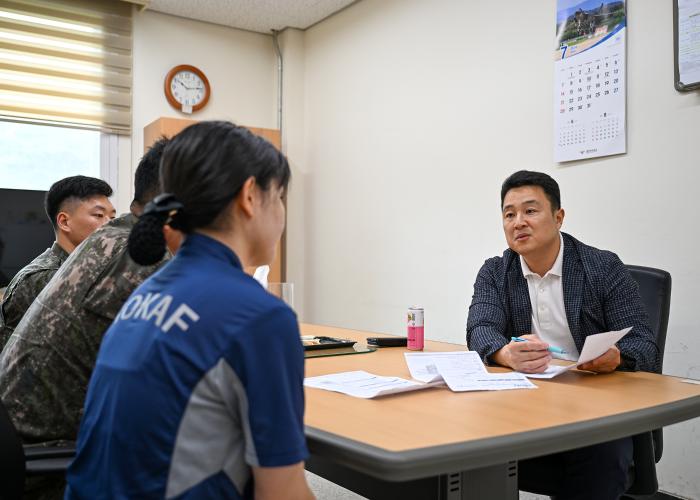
(25, 230)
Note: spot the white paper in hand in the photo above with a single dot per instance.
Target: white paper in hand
(594, 346)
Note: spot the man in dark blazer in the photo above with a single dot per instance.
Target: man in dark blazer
(551, 289)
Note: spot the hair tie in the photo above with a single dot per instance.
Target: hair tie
(164, 203)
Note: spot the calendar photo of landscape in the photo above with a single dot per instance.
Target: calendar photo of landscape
(589, 80)
(583, 24)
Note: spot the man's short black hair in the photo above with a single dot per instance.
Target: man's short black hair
(529, 178)
(147, 176)
(78, 187)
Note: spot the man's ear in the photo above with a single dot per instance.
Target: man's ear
(62, 222)
(559, 217)
(246, 197)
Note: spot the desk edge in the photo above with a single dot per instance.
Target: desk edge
(431, 461)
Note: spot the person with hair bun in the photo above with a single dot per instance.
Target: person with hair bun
(198, 387)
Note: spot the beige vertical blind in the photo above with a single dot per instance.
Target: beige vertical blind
(66, 62)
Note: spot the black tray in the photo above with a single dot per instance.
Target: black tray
(329, 343)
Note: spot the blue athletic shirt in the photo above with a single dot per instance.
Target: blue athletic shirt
(199, 378)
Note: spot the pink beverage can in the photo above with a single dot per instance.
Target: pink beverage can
(416, 317)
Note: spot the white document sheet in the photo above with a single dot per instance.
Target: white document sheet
(361, 384)
(422, 365)
(456, 373)
(594, 346)
(462, 371)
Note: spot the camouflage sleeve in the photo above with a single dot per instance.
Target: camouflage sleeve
(5, 332)
(18, 297)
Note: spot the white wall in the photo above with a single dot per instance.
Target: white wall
(240, 65)
(414, 113)
(293, 91)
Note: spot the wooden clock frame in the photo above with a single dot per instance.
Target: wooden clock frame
(168, 92)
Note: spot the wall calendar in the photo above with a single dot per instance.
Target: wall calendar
(589, 89)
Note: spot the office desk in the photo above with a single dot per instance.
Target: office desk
(439, 444)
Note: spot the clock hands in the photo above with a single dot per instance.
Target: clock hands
(189, 88)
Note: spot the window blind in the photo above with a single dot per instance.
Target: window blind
(66, 62)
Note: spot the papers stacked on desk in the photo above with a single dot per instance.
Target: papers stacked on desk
(462, 371)
(362, 384)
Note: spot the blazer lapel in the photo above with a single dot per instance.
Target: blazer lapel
(572, 283)
(521, 309)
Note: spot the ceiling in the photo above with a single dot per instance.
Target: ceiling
(253, 15)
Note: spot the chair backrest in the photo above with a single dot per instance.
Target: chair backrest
(12, 467)
(655, 289)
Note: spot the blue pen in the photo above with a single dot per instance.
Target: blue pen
(551, 348)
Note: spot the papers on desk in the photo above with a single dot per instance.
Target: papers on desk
(456, 372)
(594, 346)
(462, 371)
(423, 365)
(361, 384)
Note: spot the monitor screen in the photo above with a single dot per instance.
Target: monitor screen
(25, 230)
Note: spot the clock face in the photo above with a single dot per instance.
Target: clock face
(187, 88)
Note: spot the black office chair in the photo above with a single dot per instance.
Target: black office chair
(12, 467)
(655, 289)
(18, 462)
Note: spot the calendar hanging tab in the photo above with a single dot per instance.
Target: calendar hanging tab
(589, 89)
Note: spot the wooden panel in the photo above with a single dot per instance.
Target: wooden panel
(272, 135)
(439, 416)
(168, 127)
(163, 127)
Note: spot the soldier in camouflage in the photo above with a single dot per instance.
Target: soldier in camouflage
(25, 287)
(46, 365)
(76, 206)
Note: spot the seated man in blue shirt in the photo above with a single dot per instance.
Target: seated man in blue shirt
(552, 289)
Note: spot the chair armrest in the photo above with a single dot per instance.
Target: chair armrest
(48, 466)
(43, 452)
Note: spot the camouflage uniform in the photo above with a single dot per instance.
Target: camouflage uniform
(25, 287)
(46, 365)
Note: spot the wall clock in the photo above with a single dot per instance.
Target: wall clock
(187, 88)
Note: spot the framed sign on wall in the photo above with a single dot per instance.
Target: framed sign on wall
(686, 44)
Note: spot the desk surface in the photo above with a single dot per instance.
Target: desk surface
(416, 434)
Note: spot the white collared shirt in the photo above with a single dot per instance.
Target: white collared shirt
(549, 321)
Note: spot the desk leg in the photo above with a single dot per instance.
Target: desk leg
(498, 482)
(372, 487)
(490, 483)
